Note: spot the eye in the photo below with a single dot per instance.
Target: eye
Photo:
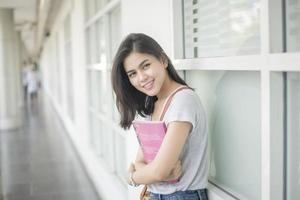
(131, 75)
(146, 66)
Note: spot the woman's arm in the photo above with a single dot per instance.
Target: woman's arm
(166, 159)
(139, 160)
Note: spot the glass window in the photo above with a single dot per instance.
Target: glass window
(69, 64)
(108, 145)
(276, 135)
(92, 45)
(115, 32)
(232, 103)
(104, 89)
(89, 89)
(90, 9)
(120, 156)
(69, 80)
(293, 135)
(96, 131)
(94, 90)
(87, 46)
(58, 67)
(101, 4)
(221, 28)
(293, 25)
(102, 42)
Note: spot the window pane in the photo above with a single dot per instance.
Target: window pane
(93, 44)
(87, 45)
(94, 89)
(108, 145)
(96, 132)
(69, 79)
(101, 4)
(90, 9)
(293, 25)
(232, 103)
(58, 68)
(115, 26)
(293, 135)
(120, 156)
(276, 137)
(89, 87)
(102, 41)
(221, 28)
(67, 28)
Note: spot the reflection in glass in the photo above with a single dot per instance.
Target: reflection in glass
(232, 103)
(293, 135)
(223, 28)
(293, 25)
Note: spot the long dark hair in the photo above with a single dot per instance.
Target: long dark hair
(129, 100)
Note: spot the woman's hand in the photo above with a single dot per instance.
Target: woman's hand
(175, 173)
(130, 179)
(130, 170)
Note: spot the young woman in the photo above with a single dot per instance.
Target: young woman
(143, 78)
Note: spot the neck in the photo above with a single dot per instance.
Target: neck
(167, 88)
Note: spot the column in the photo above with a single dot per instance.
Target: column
(9, 72)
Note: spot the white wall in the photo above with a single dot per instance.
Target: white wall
(151, 17)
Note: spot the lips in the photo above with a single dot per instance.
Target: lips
(149, 85)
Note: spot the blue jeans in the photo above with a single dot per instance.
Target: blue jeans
(181, 195)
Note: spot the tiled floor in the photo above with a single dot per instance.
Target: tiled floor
(39, 163)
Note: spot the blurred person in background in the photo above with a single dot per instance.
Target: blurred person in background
(33, 81)
(25, 70)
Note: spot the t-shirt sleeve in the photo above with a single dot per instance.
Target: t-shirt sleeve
(183, 108)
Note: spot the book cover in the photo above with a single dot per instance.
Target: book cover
(150, 135)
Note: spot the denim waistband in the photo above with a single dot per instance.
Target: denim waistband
(200, 194)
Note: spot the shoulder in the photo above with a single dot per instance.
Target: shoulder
(184, 106)
(186, 96)
(187, 100)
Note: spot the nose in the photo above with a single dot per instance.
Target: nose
(142, 77)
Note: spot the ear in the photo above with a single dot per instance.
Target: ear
(164, 60)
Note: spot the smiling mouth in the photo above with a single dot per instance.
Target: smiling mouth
(149, 85)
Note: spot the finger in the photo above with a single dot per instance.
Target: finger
(178, 174)
(177, 171)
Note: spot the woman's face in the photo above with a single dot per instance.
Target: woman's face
(145, 72)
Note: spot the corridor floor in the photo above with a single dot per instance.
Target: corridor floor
(38, 161)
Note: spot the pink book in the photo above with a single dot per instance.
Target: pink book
(150, 135)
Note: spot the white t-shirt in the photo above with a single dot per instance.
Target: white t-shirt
(186, 106)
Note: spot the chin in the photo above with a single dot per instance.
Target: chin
(151, 93)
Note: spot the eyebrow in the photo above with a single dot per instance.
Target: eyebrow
(140, 65)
